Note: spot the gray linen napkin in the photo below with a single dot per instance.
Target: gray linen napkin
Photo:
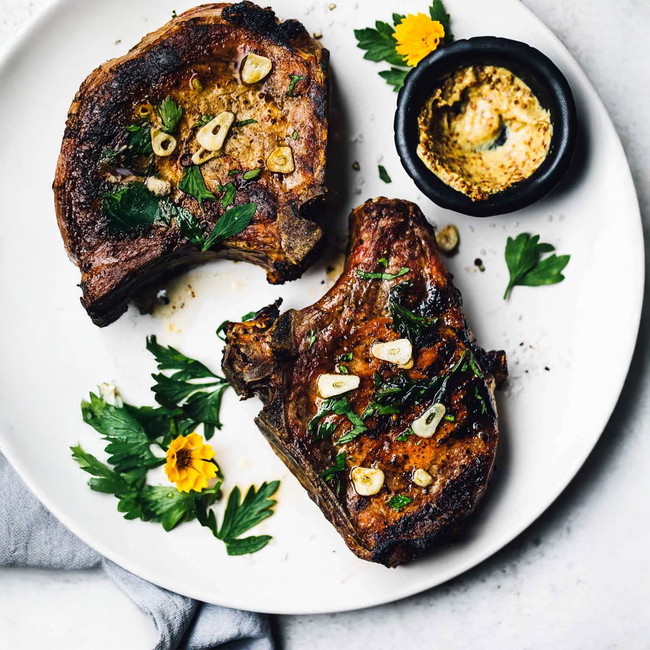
(31, 536)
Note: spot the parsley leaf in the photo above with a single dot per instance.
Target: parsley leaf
(245, 122)
(128, 444)
(202, 121)
(189, 226)
(229, 191)
(394, 77)
(192, 387)
(398, 501)
(171, 507)
(379, 43)
(193, 184)
(170, 114)
(104, 479)
(251, 174)
(368, 275)
(293, 80)
(240, 516)
(312, 338)
(405, 321)
(383, 174)
(339, 466)
(526, 266)
(438, 12)
(139, 139)
(231, 223)
(335, 406)
(131, 207)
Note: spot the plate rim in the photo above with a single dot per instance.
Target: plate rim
(13, 48)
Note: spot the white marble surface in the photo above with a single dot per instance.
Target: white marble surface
(579, 578)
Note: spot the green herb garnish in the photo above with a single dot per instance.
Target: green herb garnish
(339, 466)
(189, 226)
(294, 135)
(202, 121)
(344, 357)
(245, 122)
(524, 259)
(229, 195)
(404, 436)
(293, 80)
(398, 501)
(139, 139)
(170, 114)
(312, 338)
(193, 184)
(234, 172)
(191, 387)
(379, 44)
(407, 322)
(372, 275)
(383, 174)
(336, 406)
(240, 516)
(251, 173)
(131, 207)
(231, 223)
(188, 397)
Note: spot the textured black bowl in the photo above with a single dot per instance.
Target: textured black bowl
(543, 78)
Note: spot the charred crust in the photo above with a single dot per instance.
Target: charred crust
(263, 22)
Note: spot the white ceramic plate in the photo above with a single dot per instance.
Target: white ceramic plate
(566, 370)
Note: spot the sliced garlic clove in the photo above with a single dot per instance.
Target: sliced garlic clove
(281, 160)
(212, 135)
(162, 143)
(255, 68)
(202, 156)
(398, 352)
(448, 239)
(421, 477)
(330, 385)
(367, 480)
(406, 366)
(157, 186)
(425, 426)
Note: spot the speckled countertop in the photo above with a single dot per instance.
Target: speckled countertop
(578, 578)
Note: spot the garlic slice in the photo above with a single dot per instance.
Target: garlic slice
(202, 155)
(162, 143)
(255, 68)
(425, 426)
(212, 135)
(398, 352)
(330, 385)
(281, 160)
(421, 477)
(367, 480)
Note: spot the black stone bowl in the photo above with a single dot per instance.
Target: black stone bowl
(531, 66)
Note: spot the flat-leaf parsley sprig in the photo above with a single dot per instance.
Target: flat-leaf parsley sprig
(141, 438)
(526, 266)
(406, 42)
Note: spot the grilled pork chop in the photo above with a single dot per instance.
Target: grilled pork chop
(377, 397)
(222, 106)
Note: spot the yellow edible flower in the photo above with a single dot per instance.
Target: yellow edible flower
(417, 35)
(188, 463)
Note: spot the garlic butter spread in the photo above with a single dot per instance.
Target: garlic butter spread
(483, 130)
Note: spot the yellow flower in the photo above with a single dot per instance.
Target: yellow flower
(416, 36)
(188, 463)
